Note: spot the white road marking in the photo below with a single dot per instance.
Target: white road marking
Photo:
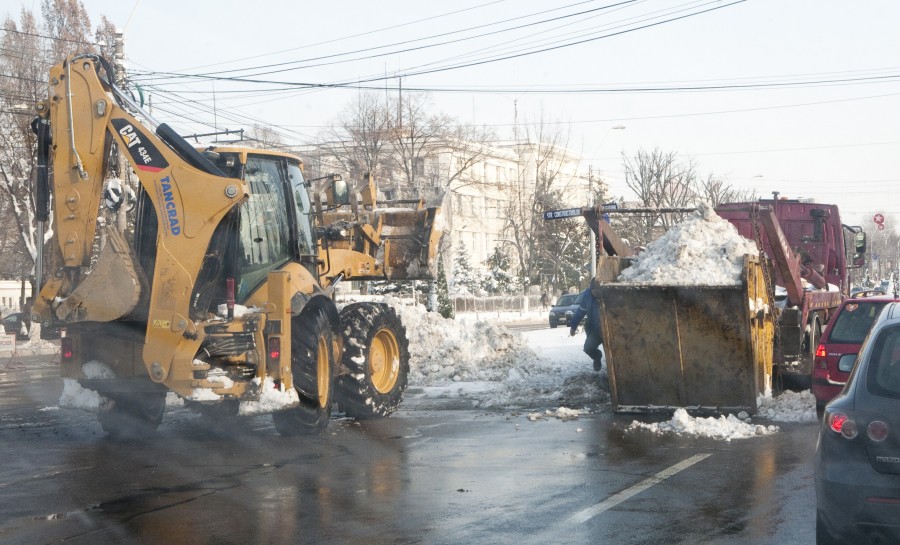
(612, 501)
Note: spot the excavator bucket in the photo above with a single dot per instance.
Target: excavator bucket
(111, 290)
(706, 348)
(411, 238)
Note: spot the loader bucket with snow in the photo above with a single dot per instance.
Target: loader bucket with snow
(706, 348)
(411, 239)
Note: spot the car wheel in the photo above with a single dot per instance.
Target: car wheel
(553, 324)
(823, 535)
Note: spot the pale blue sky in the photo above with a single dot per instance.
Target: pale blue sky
(835, 143)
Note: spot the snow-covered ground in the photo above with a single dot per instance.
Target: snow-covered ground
(493, 367)
(546, 371)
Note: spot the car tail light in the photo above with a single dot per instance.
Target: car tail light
(877, 431)
(820, 351)
(843, 424)
(66, 349)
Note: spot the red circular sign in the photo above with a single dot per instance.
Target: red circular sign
(879, 219)
(881, 227)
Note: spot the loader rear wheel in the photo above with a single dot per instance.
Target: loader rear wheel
(131, 416)
(376, 352)
(312, 367)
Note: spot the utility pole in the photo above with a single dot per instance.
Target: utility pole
(123, 173)
(593, 265)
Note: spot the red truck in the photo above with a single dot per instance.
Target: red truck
(812, 252)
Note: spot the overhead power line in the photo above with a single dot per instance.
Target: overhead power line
(358, 84)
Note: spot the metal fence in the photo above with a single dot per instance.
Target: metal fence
(496, 303)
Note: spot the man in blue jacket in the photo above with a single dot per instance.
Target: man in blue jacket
(588, 307)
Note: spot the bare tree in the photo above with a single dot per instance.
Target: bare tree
(660, 180)
(546, 179)
(716, 191)
(26, 55)
(360, 140)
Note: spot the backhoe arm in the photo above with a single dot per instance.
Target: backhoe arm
(86, 114)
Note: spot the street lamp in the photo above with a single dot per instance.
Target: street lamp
(593, 266)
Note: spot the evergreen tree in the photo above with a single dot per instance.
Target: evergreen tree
(464, 280)
(499, 279)
(445, 305)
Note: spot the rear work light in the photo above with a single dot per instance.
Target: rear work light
(66, 349)
(274, 348)
(877, 431)
(843, 424)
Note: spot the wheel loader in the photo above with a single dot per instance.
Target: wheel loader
(224, 294)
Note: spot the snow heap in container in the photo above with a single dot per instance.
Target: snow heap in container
(704, 250)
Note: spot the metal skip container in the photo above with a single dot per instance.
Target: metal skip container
(707, 348)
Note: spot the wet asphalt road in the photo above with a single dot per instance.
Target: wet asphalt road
(429, 474)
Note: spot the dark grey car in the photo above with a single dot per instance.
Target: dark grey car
(562, 311)
(858, 454)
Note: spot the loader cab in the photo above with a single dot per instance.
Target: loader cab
(274, 226)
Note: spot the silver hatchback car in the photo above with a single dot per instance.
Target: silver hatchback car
(858, 453)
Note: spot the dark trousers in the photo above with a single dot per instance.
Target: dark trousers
(592, 342)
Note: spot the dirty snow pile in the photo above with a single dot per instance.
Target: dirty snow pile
(562, 413)
(451, 350)
(74, 396)
(493, 367)
(704, 250)
(787, 407)
(724, 427)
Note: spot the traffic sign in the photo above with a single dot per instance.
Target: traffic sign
(881, 227)
(561, 214)
(879, 219)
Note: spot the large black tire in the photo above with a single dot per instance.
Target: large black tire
(132, 416)
(376, 352)
(312, 367)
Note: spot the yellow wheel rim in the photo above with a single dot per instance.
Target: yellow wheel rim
(384, 361)
(323, 372)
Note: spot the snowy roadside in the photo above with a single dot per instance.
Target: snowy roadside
(486, 365)
(489, 366)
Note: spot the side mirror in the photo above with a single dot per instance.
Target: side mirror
(339, 193)
(859, 260)
(860, 242)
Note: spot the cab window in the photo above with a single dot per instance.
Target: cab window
(264, 225)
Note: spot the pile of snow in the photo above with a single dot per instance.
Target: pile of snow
(788, 407)
(494, 367)
(562, 413)
(271, 399)
(724, 427)
(443, 350)
(704, 250)
(76, 397)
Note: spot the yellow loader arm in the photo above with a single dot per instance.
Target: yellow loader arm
(365, 241)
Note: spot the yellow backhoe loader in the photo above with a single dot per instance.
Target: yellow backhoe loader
(224, 293)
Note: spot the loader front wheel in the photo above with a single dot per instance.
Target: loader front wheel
(376, 353)
(132, 416)
(312, 367)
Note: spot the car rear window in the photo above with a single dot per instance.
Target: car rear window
(854, 321)
(884, 368)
